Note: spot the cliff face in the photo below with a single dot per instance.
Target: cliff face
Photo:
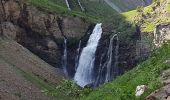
(41, 32)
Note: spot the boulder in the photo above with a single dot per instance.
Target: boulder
(140, 90)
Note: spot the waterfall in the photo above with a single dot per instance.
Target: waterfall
(65, 58)
(108, 63)
(83, 75)
(77, 55)
(81, 7)
(68, 6)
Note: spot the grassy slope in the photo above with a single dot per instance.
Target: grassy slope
(147, 73)
(16, 56)
(95, 11)
(152, 17)
(60, 8)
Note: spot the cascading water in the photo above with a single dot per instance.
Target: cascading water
(108, 63)
(65, 58)
(81, 7)
(83, 75)
(77, 55)
(68, 6)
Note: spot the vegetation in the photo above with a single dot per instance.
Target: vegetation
(146, 73)
(150, 16)
(53, 6)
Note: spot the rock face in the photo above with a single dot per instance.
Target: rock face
(43, 34)
(161, 34)
(40, 32)
(9, 30)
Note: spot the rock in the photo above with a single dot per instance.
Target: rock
(51, 44)
(9, 30)
(165, 76)
(168, 98)
(160, 94)
(164, 92)
(161, 34)
(140, 90)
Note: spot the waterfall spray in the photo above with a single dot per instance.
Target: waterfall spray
(84, 72)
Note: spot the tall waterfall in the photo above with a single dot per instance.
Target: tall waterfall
(83, 75)
(77, 55)
(68, 5)
(108, 63)
(65, 58)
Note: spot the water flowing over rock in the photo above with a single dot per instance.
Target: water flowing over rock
(67, 3)
(65, 58)
(81, 7)
(84, 73)
(108, 64)
(77, 55)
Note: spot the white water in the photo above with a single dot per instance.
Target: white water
(68, 6)
(65, 58)
(83, 75)
(77, 55)
(81, 7)
(108, 63)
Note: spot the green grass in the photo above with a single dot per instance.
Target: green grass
(57, 7)
(130, 15)
(150, 17)
(146, 73)
(149, 27)
(97, 8)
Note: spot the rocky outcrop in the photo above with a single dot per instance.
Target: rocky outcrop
(41, 32)
(161, 34)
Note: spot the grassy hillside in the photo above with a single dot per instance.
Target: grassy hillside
(126, 5)
(148, 17)
(95, 10)
(146, 73)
